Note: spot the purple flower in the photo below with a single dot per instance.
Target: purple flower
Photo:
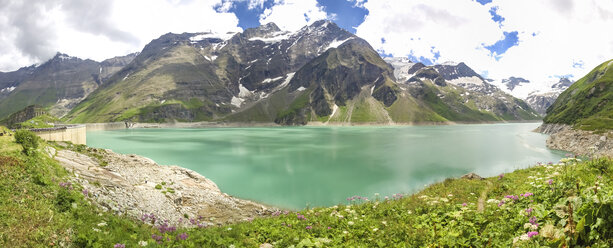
(464, 204)
(329, 228)
(85, 192)
(119, 246)
(512, 197)
(501, 203)
(500, 176)
(527, 194)
(532, 234)
(66, 185)
(533, 221)
(550, 181)
(528, 211)
(182, 236)
(309, 227)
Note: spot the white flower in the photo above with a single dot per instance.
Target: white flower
(524, 237)
(345, 232)
(229, 228)
(493, 201)
(384, 223)
(350, 223)
(142, 243)
(96, 229)
(102, 224)
(450, 195)
(376, 229)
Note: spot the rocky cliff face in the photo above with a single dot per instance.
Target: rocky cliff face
(23, 115)
(58, 84)
(457, 92)
(210, 76)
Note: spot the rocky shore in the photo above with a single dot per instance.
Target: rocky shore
(137, 186)
(580, 142)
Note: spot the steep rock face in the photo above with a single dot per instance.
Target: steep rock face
(513, 82)
(59, 83)
(337, 76)
(588, 103)
(539, 95)
(210, 75)
(540, 102)
(457, 92)
(25, 114)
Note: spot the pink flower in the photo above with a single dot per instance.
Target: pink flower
(532, 234)
(329, 228)
(309, 227)
(550, 181)
(464, 204)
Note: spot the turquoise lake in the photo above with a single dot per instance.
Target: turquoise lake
(296, 167)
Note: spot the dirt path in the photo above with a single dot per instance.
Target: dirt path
(481, 201)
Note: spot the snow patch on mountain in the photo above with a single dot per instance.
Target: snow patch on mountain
(8, 89)
(274, 38)
(204, 36)
(467, 80)
(335, 43)
(243, 92)
(237, 101)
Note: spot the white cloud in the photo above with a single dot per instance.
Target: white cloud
(566, 32)
(98, 31)
(293, 14)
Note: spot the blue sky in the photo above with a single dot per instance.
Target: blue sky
(536, 40)
(348, 16)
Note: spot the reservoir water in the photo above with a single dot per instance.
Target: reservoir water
(296, 167)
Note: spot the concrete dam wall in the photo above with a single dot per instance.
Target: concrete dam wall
(73, 133)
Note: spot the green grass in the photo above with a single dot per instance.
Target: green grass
(588, 103)
(40, 122)
(572, 203)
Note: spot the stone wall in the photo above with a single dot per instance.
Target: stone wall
(74, 133)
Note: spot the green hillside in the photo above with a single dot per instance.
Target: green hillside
(568, 204)
(588, 103)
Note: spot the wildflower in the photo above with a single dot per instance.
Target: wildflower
(500, 176)
(501, 203)
(464, 204)
(345, 232)
(309, 227)
(528, 211)
(119, 246)
(101, 224)
(182, 236)
(85, 192)
(384, 223)
(375, 229)
(533, 221)
(350, 223)
(550, 181)
(142, 243)
(532, 234)
(229, 228)
(329, 228)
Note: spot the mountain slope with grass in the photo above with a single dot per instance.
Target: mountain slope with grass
(566, 204)
(588, 103)
(58, 85)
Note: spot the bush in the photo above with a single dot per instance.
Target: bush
(28, 140)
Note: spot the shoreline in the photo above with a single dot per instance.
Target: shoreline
(580, 142)
(204, 124)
